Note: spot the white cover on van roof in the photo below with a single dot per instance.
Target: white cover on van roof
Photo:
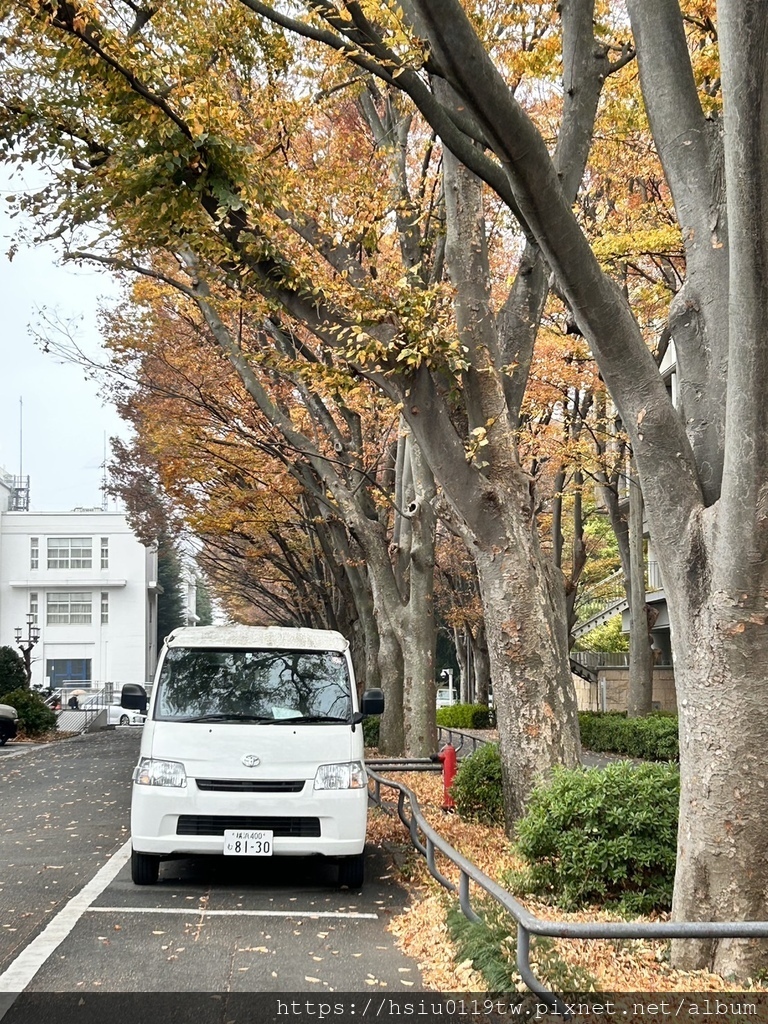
(257, 637)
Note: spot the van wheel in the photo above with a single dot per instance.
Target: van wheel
(352, 871)
(144, 868)
(125, 720)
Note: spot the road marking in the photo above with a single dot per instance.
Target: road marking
(26, 965)
(230, 913)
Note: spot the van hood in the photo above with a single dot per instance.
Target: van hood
(216, 750)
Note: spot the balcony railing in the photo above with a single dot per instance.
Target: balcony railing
(596, 598)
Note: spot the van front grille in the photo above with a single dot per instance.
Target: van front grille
(250, 785)
(214, 825)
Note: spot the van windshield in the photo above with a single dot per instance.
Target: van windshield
(264, 686)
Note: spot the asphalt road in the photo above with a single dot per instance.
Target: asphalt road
(210, 926)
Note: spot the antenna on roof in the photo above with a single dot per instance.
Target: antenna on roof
(19, 501)
(104, 483)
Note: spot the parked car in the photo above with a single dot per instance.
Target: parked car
(9, 721)
(118, 715)
(445, 697)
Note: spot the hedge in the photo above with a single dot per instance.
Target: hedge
(653, 738)
(466, 716)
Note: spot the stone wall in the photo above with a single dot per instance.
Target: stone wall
(609, 693)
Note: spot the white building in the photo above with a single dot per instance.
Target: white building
(90, 587)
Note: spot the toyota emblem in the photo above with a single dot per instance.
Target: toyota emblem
(251, 761)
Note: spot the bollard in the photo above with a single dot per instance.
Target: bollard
(447, 758)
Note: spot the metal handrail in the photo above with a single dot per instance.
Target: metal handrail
(611, 591)
(527, 923)
(88, 712)
(474, 741)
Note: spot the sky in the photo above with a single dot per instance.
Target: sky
(63, 420)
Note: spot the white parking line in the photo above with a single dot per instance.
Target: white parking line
(26, 965)
(199, 911)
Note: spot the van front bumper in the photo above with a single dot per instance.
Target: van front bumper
(186, 820)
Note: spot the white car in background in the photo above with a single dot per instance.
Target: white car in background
(117, 715)
(446, 697)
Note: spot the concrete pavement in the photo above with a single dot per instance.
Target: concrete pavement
(211, 925)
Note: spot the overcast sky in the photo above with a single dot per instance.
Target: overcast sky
(64, 420)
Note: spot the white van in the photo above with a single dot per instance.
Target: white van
(253, 747)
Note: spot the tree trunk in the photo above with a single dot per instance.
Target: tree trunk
(723, 833)
(534, 696)
(414, 621)
(460, 642)
(392, 727)
(482, 665)
(640, 684)
(557, 518)
(719, 594)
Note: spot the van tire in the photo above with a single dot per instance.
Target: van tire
(352, 871)
(125, 720)
(145, 868)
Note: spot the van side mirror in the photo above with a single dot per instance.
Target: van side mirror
(133, 697)
(372, 702)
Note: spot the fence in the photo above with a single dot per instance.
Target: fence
(594, 599)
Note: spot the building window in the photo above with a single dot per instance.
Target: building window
(34, 552)
(70, 552)
(34, 606)
(73, 609)
(104, 608)
(105, 552)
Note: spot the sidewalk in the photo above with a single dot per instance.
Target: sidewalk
(589, 758)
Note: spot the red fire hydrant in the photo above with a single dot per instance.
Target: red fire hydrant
(447, 758)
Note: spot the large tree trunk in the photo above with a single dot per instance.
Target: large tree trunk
(392, 726)
(524, 610)
(723, 834)
(721, 590)
(414, 618)
(403, 598)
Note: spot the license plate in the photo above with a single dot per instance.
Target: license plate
(252, 842)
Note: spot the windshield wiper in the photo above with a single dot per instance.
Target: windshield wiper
(318, 718)
(228, 716)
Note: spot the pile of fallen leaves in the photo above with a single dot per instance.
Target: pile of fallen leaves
(620, 966)
(44, 737)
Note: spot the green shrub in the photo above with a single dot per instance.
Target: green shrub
(602, 836)
(477, 786)
(35, 717)
(491, 945)
(466, 716)
(653, 738)
(371, 726)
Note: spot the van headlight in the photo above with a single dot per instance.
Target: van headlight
(349, 775)
(152, 772)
